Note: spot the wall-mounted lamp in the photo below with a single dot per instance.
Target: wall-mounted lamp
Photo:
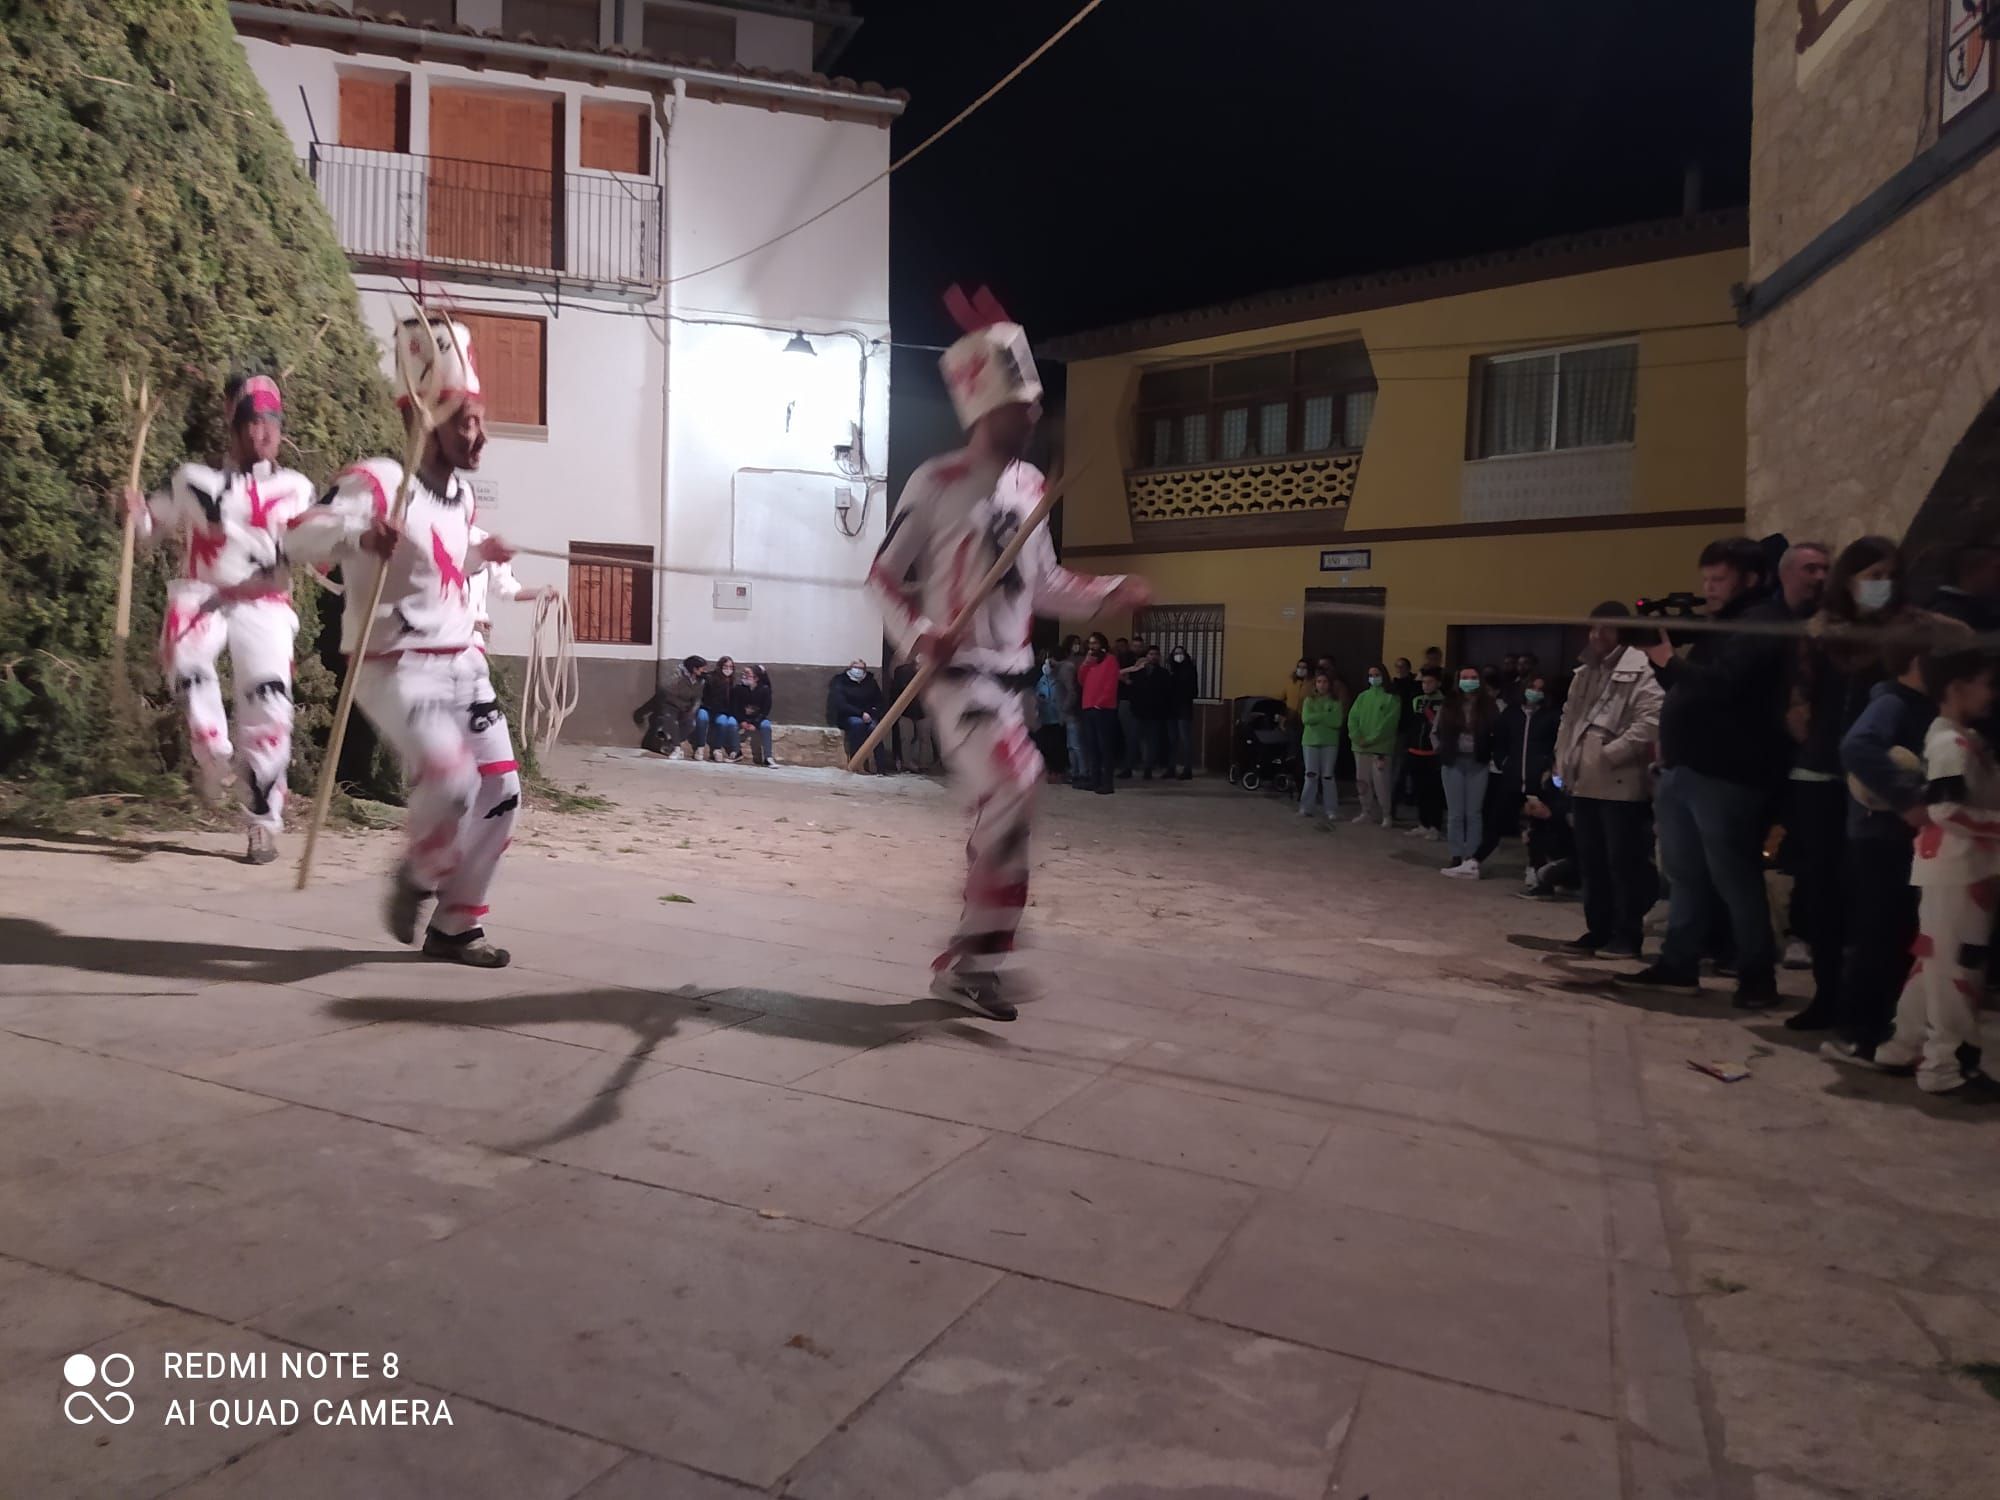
(800, 344)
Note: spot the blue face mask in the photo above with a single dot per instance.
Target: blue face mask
(1533, 695)
(1469, 685)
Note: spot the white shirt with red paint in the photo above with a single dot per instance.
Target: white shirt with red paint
(427, 603)
(1961, 844)
(956, 515)
(235, 521)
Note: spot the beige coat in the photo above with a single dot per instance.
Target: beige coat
(1609, 728)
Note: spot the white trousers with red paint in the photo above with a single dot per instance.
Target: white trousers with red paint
(1937, 1021)
(983, 736)
(437, 713)
(258, 634)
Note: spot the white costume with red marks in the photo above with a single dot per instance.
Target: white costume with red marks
(235, 522)
(954, 517)
(424, 685)
(1957, 874)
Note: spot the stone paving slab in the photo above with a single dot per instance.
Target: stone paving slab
(683, 1329)
(1048, 1391)
(705, 1198)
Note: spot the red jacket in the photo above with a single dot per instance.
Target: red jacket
(1099, 682)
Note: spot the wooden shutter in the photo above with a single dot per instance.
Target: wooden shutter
(374, 112)
(511, 356)
(611, 603)
(616, 138)
(493, 180)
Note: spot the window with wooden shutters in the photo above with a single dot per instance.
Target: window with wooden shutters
(511, 355)
(492, 188)
(1287, 405)
(374, 112)
(616, 138)
(696, 35)
(611, 594)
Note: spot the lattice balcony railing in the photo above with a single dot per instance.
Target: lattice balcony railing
(1255, 488)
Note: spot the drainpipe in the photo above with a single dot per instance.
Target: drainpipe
(665, 112)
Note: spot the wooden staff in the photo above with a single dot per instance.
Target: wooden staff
(413, 453)
(928, 668)
(121, 628)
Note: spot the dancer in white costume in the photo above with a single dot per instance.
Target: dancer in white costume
(424, 685)
(956, 515)
(232, 594)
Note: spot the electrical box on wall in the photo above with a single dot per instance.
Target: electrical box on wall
(731, 595)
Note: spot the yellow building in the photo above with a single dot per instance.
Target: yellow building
(1521, 435)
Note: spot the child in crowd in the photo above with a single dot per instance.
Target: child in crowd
(1320, 721)
(1957, 875)
(1426, 779)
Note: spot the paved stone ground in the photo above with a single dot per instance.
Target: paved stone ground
(1305, 1174)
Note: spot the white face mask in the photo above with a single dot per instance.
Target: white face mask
(1873, 593)
(1373, 680)
(1300, 673)
(855, 674)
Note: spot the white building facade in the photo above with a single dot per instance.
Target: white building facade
(662, 384)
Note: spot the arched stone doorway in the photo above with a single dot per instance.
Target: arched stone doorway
(1963, 505)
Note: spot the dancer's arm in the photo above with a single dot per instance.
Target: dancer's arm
(352, 517)
(908, 539)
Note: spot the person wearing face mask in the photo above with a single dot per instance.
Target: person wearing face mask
(1524, 755)
(1186, 689)
(854, 703)
(715, 725)
(1374, 721)
(1465, 740)
(1863, 621)
(1604, 752)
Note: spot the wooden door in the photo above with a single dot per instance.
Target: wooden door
(493, 179)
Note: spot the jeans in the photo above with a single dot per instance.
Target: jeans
(1712, 845)
(1372, 780)
(858, 729)
(1815, 834)
(1101, 732)
(761, 728)
(1614, 848)
(715, 731)
(1465, 806)
(1881, 928)
(1079, 758)
(1181, 746)
(1426, 781)
(1320, 785)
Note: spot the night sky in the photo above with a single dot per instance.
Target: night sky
(1170, 153)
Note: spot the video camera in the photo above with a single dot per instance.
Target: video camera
(1680, 605)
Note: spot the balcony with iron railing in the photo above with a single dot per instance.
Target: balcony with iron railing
(593, 233)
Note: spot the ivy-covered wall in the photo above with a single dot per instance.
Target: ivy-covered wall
(158, 223)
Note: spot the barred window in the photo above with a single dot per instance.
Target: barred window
(611, 601)
(1547, 402)
(1197, 628)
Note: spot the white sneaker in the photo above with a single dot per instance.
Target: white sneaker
(1435, 835)
(1797, 955)
(1389, 823)
(1469, 870)
(975, 990)
(1418, 832)
(679, 752)
(1361, 817)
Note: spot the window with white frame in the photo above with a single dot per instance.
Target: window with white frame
(1556, 399)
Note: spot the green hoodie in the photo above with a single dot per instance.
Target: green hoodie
(1373, 721)
(1322, 718)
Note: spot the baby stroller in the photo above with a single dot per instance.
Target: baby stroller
(1260, 752)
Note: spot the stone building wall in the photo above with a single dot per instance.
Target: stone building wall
(1862, 384)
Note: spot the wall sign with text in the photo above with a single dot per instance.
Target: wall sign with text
(1354, 560)
(1967, 74)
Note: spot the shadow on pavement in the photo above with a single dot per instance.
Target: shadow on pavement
(125, 851)
(652, 1018)
(24, 941)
